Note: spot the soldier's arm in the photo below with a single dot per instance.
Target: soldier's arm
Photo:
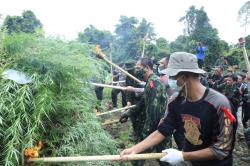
(140, 104)
(153, 139)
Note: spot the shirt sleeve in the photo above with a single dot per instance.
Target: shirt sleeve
(168, 124)
(224, 141)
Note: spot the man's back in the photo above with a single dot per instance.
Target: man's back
(155, 102)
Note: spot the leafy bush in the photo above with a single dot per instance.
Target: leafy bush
(56, 107)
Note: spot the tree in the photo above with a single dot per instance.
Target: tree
(247, 38)
(244, 15)
(189, 20)
(94, 36)
(199, 29)
(27, 23)
(126, 28)
(133, 38)
(183, 43)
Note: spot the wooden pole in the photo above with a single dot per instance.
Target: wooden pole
(110, 122)
(144, 44)
(148, 156)
(116, 82)
(242, 44)
(116, 110)
(101, 55)
(110, 57)
(108, 86)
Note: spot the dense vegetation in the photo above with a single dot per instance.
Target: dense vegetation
(56, 107)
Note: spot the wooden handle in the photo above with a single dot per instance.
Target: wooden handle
(148, 156)
(110, 122)
(116, 110)
(108, 86)
(124, 71)
(101, 55)
(242, 43)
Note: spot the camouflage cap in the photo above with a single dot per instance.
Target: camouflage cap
(182, 62)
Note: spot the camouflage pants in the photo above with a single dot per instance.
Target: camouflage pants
(137, 118)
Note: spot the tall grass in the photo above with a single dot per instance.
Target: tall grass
(56, 107)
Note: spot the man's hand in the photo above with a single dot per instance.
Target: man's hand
(211, 81)
(173, 156)
(126, 152)
(123, 118)
(128, 105)
(143, 83)
(130, 89)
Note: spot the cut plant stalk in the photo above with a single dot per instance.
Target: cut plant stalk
(108, 86)
(242, 43)
(101, 55)
(116, 110)
(111, 122)
(116, 82)
(146, 156)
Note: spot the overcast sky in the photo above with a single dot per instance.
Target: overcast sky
(68, 17)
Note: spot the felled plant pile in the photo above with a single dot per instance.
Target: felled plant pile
(56, 107)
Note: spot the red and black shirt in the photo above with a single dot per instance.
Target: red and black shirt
(207, 123)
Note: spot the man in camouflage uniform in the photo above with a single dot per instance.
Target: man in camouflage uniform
(231, 90)
(155, 101)
(137, 115)
(246, 115)
(216, 78)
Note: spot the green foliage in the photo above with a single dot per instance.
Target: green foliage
(247, 38)
(244, 15)
(133, 38)
(27, 23)
(183, 43)
(94, 36)
(199, 29)
(235, 56)
(56, 107)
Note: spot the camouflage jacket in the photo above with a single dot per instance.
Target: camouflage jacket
(155, 98)
(231, 92)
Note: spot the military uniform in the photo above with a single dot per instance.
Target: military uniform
(245, 92)
(245, 89)
(155, 102)
(136, 115)
(232, 93)
(155, 98)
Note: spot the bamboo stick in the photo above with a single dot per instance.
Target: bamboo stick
(116, 82)
(147, 156)
(116, 110)
(101, 55)
(242, 44)
(108, 86)
(110, 122)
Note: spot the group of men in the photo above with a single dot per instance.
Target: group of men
(184, 102)
(201, 118)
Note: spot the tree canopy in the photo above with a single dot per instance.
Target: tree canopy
(27, 23)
